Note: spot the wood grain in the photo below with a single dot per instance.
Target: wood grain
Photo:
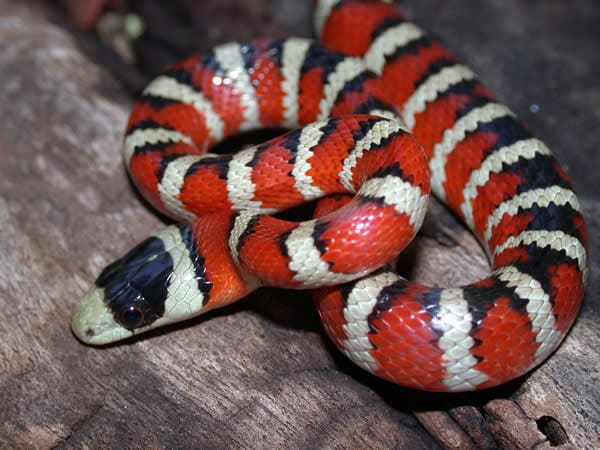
(261, 373)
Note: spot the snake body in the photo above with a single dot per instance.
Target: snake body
(353, 97)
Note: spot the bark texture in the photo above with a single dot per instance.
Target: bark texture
(260, 373)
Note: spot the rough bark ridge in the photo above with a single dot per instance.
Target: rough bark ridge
(260, 373)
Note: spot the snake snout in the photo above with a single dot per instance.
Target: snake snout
(128, 294)
(93, 322)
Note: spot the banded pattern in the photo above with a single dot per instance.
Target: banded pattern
(507, 187)
(374, 158)
(484, 164)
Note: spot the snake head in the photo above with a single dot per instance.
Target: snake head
(130, 294)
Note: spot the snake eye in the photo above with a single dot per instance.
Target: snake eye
(131, 317)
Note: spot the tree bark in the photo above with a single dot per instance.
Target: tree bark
(260, 373)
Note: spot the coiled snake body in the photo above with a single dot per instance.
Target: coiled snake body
(356, 96)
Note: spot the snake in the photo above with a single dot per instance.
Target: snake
(380, 114)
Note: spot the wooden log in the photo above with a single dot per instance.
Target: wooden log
(260, 373)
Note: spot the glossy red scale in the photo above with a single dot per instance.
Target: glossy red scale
(509, 226)
(270, 175)
(261, 252)
(413, 168)
(143, 169)
(328, 157)
(405, 332)
(500, 187)
(349, 28)
(466, 157)
(438, 117)
(510, 256)
(400, 76)
(310, 92)
(267, 81)
(211, 239)
(330, 305)
(405, 344)
(356, 238)
(224, 97)
(567, 283)
(503, 335)
(187, 120)
(205, 191)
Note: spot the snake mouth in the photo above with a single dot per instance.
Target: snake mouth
(93, 322)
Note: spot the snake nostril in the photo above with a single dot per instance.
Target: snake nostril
(89, 332)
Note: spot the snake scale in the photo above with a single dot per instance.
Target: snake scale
(381, 114)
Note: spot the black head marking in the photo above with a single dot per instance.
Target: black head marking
(135, 285)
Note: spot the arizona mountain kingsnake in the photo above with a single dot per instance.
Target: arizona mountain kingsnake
(372, 63)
